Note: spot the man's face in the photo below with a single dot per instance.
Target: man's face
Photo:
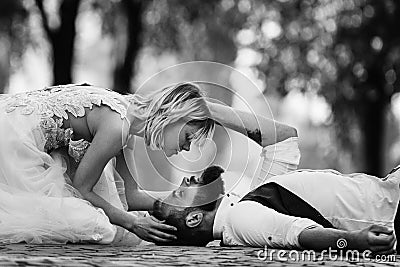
(193, 191)
(180, 198)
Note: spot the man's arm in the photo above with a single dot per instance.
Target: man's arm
(260, 129)
(378, 239)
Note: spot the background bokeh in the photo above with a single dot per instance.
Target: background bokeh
(328, 67)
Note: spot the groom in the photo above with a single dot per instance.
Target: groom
(301, 210)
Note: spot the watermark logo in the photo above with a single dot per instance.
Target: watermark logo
(341, 243)
(330, 254)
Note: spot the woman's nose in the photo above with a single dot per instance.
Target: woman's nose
(186, 147)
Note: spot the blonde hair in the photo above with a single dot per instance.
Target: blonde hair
(168, 105)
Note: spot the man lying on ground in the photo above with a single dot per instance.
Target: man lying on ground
(306, 209)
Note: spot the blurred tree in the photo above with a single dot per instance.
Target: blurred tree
(369, 32)
(129, 18)
(196, 31)
(61, 33)
(12, 37)
(199, 30)
(123, 20)
(346, 51)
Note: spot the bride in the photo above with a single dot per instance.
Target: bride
(63, 175)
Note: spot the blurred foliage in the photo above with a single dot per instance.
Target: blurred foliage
(344, 50)
(199, 30)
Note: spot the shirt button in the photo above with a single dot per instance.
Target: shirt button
(227, 195)
(232, 204)
(269, 238)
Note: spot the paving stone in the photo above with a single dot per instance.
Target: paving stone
(102, 255)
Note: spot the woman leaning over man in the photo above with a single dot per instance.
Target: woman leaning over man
(57, 146)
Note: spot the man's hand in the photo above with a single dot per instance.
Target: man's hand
(376, 238)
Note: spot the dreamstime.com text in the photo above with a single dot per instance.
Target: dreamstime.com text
(268, 254)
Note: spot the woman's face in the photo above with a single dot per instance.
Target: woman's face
(178, 136)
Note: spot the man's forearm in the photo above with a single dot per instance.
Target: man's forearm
(319, 238)
(260, 129)
(376, 238)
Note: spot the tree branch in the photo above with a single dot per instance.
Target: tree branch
(45, 21)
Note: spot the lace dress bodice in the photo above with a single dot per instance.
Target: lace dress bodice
(56, 103)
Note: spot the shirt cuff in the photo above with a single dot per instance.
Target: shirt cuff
(278, 159)
(286, 151)
(301, 224)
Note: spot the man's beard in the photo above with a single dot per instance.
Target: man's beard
(210, 177)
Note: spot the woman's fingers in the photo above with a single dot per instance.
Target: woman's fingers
(163, 235)
(165, 227)
(156, 220)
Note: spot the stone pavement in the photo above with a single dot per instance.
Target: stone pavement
(151, 255)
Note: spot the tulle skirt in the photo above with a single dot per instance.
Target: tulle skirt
(37, 202)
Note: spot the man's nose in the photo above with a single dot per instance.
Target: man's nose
(186, 181)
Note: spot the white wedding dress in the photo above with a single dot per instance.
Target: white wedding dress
(37, 202)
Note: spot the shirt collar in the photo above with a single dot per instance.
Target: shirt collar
(227, 202)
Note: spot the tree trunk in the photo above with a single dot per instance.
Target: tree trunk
(62, 39)
(373, 127)
(63, 42)
(5, 54)
(124, 69)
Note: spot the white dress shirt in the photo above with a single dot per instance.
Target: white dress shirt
(340, 198)
(249, 223)
(348, 202)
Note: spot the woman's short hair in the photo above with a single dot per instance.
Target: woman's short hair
(168, 105)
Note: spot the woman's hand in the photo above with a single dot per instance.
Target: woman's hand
(152, 230)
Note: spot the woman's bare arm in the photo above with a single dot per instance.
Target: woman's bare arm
(137, 199)
(107, 142)
(109, 135)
